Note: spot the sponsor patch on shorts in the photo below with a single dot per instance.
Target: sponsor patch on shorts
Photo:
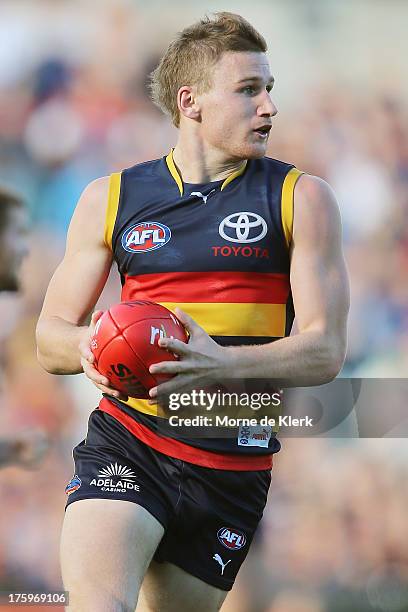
(115, 478)
(73, 484)
(255, 435)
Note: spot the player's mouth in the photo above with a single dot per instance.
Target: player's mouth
(263, 131)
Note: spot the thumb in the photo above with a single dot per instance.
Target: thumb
(96, 315)
(94, 319)
(188, 322)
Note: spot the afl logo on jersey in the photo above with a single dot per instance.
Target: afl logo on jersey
(243, 227)
(145, 237)
(234, 540)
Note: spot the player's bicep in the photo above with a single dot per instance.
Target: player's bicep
(319, 278)
(79, 279)
(76, 285)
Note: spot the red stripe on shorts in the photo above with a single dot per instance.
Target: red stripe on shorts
(185, 452)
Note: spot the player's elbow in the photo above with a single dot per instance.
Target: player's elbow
(332, 369)
(57, 346)
(48, 363)
(333, 359)
(43, 356)
(44, 362)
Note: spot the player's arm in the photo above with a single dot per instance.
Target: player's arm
(320, 291)
(75, 288)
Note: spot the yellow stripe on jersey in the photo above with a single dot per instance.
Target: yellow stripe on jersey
(288, 189)
(248, 320)
(225, 319)
(143, 406)
(174, 172)
(176, 176)
(112, 207)
(234, 175)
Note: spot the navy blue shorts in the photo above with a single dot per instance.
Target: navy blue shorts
(209, 516)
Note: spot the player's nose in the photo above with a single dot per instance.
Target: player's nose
(267, 106)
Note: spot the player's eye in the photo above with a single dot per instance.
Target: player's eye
(249, 89)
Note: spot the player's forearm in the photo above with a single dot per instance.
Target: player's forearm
(57, 345)
(306, 359)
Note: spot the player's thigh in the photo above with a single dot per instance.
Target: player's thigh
(106, 548)
(168, 588)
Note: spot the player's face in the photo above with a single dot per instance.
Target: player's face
(237, 111)
(13, 249)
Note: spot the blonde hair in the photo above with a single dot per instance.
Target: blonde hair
(190, 57)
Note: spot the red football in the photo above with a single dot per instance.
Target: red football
(125, 344)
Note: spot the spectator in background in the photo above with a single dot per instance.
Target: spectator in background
(13, 233)
(25, 449)
(29, 447)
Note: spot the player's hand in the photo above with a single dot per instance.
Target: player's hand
(29, 448)
(88, 360)
(201, 361)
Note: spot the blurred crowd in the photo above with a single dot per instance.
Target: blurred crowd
(334, 535)
(74, 105)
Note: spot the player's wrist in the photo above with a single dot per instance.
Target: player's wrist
(243, 362)
(231, 366)
(84, 341)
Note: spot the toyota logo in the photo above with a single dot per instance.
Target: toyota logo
(243, 227)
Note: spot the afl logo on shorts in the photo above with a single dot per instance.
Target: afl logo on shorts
(231, 539)
(145, 237)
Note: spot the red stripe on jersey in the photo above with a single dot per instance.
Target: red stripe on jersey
(208, 287)
(185, 452)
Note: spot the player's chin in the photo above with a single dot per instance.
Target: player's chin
(256, 150)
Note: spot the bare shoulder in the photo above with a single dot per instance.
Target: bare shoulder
(95, 196)
(90, 212)
(316, 211)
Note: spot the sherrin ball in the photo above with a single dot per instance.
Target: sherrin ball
(125, 344)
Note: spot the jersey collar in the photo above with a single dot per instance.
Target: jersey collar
(176, 176)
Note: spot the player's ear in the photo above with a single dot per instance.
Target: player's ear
(187, 103)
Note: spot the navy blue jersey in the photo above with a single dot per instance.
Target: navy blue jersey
(219, 251)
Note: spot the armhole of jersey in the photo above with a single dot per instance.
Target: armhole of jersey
(288, 189)
(112, 207)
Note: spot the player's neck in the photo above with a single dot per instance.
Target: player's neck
(198, 163)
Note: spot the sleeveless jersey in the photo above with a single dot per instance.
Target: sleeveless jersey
(220, 252)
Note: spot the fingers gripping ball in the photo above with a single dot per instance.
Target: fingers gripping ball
(125, 344)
